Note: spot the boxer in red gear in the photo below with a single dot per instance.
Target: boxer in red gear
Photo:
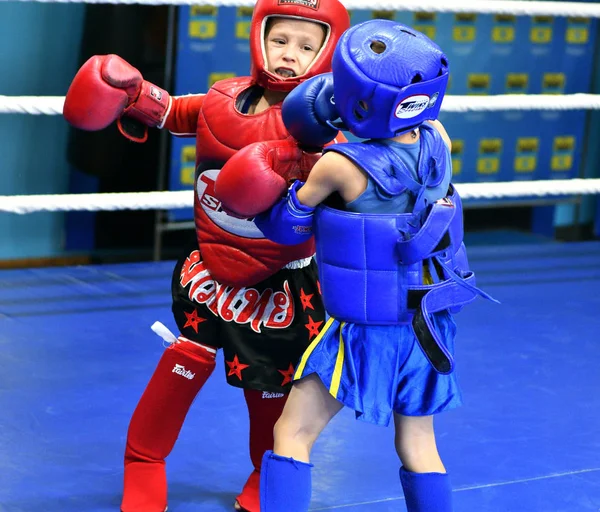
(235, 290)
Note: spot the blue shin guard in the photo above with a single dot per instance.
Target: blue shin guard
(285, 484)
(426, 492)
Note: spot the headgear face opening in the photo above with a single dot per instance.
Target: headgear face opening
(388, 79)
(331, 13)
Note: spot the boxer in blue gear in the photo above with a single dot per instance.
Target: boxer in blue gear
(392, 267)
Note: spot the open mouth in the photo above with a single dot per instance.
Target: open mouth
(285, 72)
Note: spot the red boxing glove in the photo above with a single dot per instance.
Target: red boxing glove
(107, 88)
(258, 175)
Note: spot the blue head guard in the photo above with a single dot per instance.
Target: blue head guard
(388, 79)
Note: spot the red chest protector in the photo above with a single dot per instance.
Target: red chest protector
(234, 250)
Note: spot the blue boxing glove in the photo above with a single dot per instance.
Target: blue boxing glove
(308, 110)
(288, 221)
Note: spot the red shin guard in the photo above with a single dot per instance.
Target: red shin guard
(181, 372)
(264, 409)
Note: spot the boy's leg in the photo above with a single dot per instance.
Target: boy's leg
(426, 492)
(181, 372)
(423, 477)
(264, 409)
(285, 480)
(269, 356)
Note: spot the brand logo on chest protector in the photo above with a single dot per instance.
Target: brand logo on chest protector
(179, 369)
(205, 192)
(412, 106)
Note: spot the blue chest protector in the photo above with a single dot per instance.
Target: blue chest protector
(386, 269)
(399, 184)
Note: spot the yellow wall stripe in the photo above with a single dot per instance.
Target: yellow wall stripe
(311, 347)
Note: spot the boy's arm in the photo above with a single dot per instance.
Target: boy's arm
(440, 128)
(289, 221)
(332, 173)
(321, 182)
(182, 118)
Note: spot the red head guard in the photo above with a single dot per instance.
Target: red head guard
(330, 13)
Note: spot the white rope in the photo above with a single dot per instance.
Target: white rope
(515, 7)
(185, 198)
(53, 105)
(48, 105)
(96, 202)
(536, 188)
(521, 102)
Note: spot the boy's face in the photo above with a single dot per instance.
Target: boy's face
(291, 45)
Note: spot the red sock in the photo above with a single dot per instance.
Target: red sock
(264, 409)
(181, 372)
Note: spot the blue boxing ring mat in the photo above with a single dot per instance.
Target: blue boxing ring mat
(76, 352)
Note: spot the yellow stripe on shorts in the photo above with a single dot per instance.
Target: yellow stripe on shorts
(311, 347)
(339, 366)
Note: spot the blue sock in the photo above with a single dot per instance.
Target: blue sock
(426, 492)
(285, 484)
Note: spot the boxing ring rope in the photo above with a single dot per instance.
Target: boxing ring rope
(185, 198)
(52, 105)
(512, 7)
